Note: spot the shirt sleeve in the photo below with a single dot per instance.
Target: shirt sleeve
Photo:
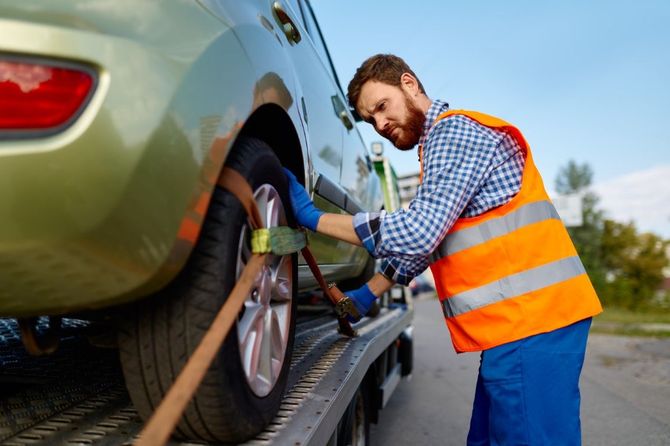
(403, 271)
(458, 157)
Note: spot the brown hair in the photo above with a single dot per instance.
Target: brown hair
(385, 68)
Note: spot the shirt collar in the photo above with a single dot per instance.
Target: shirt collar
(436, 109)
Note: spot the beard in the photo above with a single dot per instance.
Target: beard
(411, 129)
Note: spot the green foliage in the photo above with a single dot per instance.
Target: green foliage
(576, 178)
(626, 267)
(573, 178)
(634, 263)
(587, 240)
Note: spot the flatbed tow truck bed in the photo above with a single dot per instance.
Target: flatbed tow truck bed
(77, 396)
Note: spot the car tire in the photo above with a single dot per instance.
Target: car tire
(242, 390)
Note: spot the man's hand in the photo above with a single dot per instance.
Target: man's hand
(304, 210)
(362, 299)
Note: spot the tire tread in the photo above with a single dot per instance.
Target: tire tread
(159, 334)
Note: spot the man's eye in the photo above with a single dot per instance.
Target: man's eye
(382, 106)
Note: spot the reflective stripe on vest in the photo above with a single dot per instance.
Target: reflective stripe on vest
(513, 285)
(469, 237)
(512, 271)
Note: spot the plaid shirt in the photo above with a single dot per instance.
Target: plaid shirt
(468, 169)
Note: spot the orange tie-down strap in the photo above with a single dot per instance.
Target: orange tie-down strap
(164, 419)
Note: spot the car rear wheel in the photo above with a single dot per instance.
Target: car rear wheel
(242, 390)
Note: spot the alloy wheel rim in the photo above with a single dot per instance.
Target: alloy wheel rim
(263, 324)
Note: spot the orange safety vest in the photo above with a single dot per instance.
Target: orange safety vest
(511, 272)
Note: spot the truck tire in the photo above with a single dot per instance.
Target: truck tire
(354, 427)
(242, 390)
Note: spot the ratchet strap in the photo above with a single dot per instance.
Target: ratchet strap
(280, 241)
(284, 240)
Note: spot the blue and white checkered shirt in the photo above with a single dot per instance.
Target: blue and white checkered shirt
(468, 169)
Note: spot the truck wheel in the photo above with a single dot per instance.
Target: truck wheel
(242, 390)
(354, 427)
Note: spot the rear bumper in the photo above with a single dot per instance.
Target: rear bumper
(92, 216)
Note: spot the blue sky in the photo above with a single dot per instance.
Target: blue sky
(588, 81)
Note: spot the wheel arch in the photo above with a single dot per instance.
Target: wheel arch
(271, 124)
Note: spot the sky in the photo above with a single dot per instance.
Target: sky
(587, 81)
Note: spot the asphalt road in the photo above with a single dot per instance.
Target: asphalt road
(625, 390)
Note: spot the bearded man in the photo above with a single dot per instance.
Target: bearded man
(508, 278)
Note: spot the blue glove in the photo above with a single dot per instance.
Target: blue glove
(304, 210)
(362, 299)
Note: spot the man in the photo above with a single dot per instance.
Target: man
(508, 278)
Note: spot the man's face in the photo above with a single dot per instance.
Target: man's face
(392, 113)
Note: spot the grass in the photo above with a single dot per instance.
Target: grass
(622, 315)
(625, 330)
(625, 322)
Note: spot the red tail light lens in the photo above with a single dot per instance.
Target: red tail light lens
(38, 96)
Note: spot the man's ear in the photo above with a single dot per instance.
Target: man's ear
(410, 84)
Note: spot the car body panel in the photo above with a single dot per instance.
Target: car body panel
(108, 210)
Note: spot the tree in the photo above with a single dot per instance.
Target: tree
(634, 264)
(626, 267)
(576, 178)
(573, 178)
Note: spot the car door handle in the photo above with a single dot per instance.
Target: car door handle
(344, 117)
(286, 22)
(341, 112)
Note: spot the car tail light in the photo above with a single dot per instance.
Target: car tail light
(38, 96)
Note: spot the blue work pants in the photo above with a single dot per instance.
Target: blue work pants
(528, 390)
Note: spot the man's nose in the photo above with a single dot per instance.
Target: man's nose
(382, 123)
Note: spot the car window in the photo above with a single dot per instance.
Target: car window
(314, 31)
(297, 10)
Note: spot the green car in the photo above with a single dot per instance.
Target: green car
(116, 119)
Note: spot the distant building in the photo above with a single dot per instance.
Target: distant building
(408, 184)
